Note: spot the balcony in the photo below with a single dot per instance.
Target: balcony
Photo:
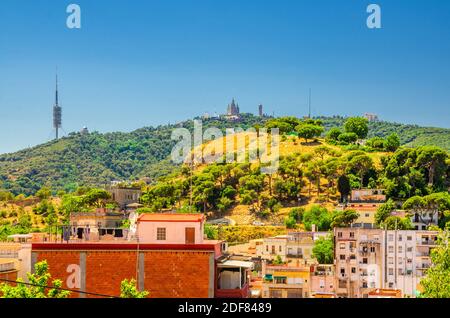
(294, 255)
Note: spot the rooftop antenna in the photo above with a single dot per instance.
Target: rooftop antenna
(57, 111)
(309, 104)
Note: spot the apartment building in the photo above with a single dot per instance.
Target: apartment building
(323, 281)
(358, 261)
(295, 247)
(366, 259)
(285, 281)
(406, 257)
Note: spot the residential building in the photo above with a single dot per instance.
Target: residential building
(300, 245)
(102, 224)
(358, 261)
(323, 281)
(406, 257)
(273, 247)
(20, 254)
(368, 195)
(366, 211)
(285, 281)
(170, 228)
(124, 196)
(366, 259)
(293, 247)
(8, 270)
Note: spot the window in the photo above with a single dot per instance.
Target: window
(400, 272)
(367, 215)
(339, 234)
(342, 271)
(365, 260)
(400, 249)
(390, 260)
(273, 249)
(391, 249)
(279, 248)
(391, 285)
(391, 271)
(342, 246)
(161, 234)
(409, 238)
(372, 249)
(352, 234)
(400, 238)
(409, 261)
(390, 237)
(409, 249)
(342, 257)
(353, 270)
(364, 285)
(267, 248)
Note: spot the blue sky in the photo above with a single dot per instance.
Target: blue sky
(140, 63)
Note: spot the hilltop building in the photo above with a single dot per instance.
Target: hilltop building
(233, 111)
(371, 117)
(260, 110)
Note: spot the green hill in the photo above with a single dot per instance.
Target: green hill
(96, 159)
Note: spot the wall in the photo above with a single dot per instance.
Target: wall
(175, 232)
(170, 271)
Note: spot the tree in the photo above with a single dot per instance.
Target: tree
(397, 223)
(361, 164)
(323, 250)
(348, 138)
(96, 198)
(308, 131)
(434, 160)
(290, 222)
(344, 187)
(333, 134)
(436, 283)
(357, 125)
(384, 211)
(38, 285)
(344, 218)
(392, 142)
(319, 216)
(434, 204)
(44, 193)
(128, 289)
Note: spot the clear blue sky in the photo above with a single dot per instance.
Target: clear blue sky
(140, 63)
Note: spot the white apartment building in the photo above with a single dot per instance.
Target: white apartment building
(373, 258)
(406, 257)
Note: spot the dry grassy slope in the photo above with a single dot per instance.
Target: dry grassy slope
(240, 213)
(36, 220)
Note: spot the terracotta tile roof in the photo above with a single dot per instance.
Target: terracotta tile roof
(170, 217)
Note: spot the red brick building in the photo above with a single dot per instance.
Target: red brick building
(169, 271)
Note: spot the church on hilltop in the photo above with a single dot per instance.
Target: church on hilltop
(233, 109)
(233, 112)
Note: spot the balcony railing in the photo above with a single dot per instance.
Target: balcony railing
(294, 255)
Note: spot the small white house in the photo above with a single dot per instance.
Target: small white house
(170, 228)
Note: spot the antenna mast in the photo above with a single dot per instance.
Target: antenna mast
(57, 111)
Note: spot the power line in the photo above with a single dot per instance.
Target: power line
(57, 288)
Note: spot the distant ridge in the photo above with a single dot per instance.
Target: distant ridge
(97, 159)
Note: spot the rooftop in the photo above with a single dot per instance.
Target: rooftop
(170, 217)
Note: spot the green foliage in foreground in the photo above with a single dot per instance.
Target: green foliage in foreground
(42, 285)
(436, 284)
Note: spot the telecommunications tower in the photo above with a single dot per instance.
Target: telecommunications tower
(57, 111)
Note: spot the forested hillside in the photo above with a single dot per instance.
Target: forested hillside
(95, 159)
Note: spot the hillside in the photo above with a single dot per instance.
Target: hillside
(96, 159)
